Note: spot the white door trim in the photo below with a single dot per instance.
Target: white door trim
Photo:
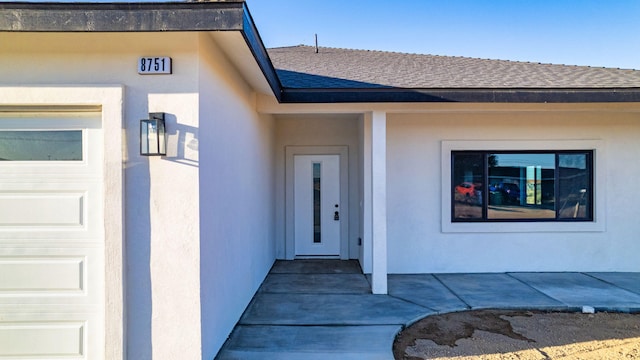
(290, 152)
(110, 99)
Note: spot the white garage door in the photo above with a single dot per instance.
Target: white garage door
(51, 236)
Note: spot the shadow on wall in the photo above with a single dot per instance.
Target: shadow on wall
(182, 142)
(138, 259)
(182, 148)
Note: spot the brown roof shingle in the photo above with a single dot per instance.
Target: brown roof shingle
(300, 67)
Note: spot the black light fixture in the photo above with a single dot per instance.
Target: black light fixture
(153, 135)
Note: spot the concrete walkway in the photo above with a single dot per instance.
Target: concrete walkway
(324, 309)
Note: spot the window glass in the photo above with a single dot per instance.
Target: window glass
(317, 204)
(522, 186)
(468, 177)
(574, 191)
(54, 145)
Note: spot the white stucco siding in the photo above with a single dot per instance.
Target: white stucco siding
(236, 198)
(161, 194)
(416, 242)
(623, 205)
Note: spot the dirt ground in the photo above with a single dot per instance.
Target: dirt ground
(497, 334)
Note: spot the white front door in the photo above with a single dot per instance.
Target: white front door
(51, 236)
(317, 205)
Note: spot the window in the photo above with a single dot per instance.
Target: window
(40, 145)
(504, 186)
(317, 203)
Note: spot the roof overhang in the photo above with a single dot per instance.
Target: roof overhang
(522, 95)
(208, 16)
(233, 15)
(121, 17)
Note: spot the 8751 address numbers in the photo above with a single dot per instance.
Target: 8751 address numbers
(154, 65)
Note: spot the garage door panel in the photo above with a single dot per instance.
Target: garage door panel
(51, 276)
(61, 211)
(42, 275)
(61, 340)
(52, 334)
(36, 209)
(18, 172)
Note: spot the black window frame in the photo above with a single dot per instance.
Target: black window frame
(590, 164)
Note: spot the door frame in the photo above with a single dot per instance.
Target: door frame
(343, 152)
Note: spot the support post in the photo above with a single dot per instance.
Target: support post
(378, 121)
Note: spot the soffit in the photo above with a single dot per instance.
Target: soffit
(239, 54)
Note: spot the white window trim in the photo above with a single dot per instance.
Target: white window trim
(599, 170)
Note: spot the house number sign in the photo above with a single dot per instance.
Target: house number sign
(154, 65)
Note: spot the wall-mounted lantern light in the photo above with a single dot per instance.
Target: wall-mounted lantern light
(153, 135)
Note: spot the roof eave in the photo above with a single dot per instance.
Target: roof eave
(230, 15)
(255, 44)
(121, 17)
(470, 95)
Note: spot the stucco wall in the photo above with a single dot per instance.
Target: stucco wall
(416, 242)
(236, 196)
(318, 130)
(186, 212)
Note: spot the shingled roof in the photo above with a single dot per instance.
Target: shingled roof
(300, 67)
(298, 74)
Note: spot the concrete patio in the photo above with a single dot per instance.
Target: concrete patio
(321, 309)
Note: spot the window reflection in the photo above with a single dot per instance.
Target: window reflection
(51, 145)
(468, 177)
(528, 185)
(574, 191)
(521, 186)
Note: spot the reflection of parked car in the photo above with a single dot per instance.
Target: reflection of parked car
(510, 192)
(467, 189)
